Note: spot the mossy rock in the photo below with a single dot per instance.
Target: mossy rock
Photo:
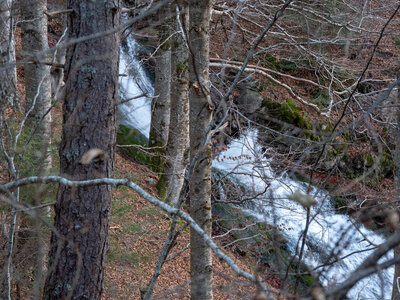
(131, 136)
(290, 114)
(286, 112)
(281, 65)
(385, 164)
(376, 166)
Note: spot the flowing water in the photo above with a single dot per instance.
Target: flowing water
(135, 113)
(328, 232)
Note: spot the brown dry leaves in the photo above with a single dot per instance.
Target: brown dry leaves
(136, 239)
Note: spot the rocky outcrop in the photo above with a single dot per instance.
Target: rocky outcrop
(250, 99)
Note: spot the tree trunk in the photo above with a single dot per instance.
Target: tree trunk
(178, 136)
(396, 278)
(37, 88)
(8, 99)
(160, 106)
(89, 122)
(37, 76)
(8, 74)
(37, 82)
(201, 110)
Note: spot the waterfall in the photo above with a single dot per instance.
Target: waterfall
(328, 229)
(137, 112)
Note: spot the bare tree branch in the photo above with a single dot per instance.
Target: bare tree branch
(171, 210)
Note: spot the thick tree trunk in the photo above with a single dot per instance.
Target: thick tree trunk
(201, 110)
(396, 278)
(89, 121)
(178, 136)
(8, 75)
(160, 106)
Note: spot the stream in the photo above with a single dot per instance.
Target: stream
(328, 230)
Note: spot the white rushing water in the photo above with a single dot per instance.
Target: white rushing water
(137, 112)
(328, 231)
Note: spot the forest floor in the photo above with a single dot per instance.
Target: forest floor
(137, 234)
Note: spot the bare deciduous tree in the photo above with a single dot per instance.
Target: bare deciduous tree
(160, 106)
(178, 140)
(201, 110)
(8, 75)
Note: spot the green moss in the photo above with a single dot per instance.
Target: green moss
(162, 186)
(129, 136)
(387, 164)
(182, 67)
(321, 98)
(383, 166)
(288, 113)
(396, 41)
(280, 65)
(308, 280)
(154, 159)
(368, 159)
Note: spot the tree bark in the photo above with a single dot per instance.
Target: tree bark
(178, 136)
(160, 106)
(37, 76)
(8, 74)
(37, 88)
(89, 121)
(396, 277)
(37, 81)
(201, 110)
(8, 99)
